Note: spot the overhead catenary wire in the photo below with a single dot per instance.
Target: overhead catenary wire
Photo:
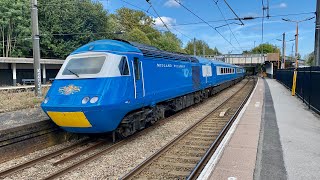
(244, 18)
(205, 23)
(232, 11)
(147, 11)
(133, 5)
(228, 24)
(165, 25)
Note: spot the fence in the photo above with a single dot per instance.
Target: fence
(308, 84)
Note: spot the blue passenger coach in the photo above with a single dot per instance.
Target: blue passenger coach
(119, 86)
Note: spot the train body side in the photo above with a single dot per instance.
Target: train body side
(149, 81)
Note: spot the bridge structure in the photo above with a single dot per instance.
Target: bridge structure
(252, 62)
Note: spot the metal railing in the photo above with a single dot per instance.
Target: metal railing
(308, 84)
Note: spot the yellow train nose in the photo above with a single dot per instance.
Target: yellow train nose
(70, 119)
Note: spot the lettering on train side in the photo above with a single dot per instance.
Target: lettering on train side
(170, 66)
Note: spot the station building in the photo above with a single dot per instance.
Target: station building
(14, 71)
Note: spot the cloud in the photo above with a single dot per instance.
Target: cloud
(167, 20)
(279, 6)
(172, 3)
(282, 5)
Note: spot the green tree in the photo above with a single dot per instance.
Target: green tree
(128, 19)
(139, 27)
(137, 36)
(200, 44)
(265, 48)
(168, 42)
(15, 30)
(66, 26)
(310, 59)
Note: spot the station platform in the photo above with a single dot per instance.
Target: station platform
(27, 130)
(10, 88)
(275, 136)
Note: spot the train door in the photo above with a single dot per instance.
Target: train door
(196, 77)
(139, 91)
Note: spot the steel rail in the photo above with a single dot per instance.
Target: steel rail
(110, 148)
(197, 170)
(42, 158)
(77, 154)
(164, 149)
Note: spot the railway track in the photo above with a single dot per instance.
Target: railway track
(100, 147)
(34, 161)
(186, 155)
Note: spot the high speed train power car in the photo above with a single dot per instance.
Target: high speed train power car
(119, 86)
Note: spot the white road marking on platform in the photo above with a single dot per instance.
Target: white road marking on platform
(257, 104)
(232, 178)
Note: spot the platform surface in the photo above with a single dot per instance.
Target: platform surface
(299, 130)
(277, 137)
(5, 88)
(14, 119)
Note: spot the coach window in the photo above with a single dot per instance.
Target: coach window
(136, 68)
(123, 66)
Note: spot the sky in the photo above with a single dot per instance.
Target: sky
(236, 38)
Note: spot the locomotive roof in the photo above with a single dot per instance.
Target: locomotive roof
(204, 60)
(119, 45)
(109, 45)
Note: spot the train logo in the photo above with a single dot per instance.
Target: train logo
(70, 89)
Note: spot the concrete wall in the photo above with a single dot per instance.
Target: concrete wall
(269, 69)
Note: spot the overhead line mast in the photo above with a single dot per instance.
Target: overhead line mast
(36, 48)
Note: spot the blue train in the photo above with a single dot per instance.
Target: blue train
(119, 86)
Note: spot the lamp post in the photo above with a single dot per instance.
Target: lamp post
(284, 45)
(296, 54)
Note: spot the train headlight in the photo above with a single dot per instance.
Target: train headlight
(46, 100)
(85, 100)
(94, 100)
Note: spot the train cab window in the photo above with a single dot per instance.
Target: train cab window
(84, 65)
(123, 66)
(136, 68)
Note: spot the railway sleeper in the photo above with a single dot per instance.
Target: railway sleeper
(172, 174)
(188, 158)
(175, 164)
